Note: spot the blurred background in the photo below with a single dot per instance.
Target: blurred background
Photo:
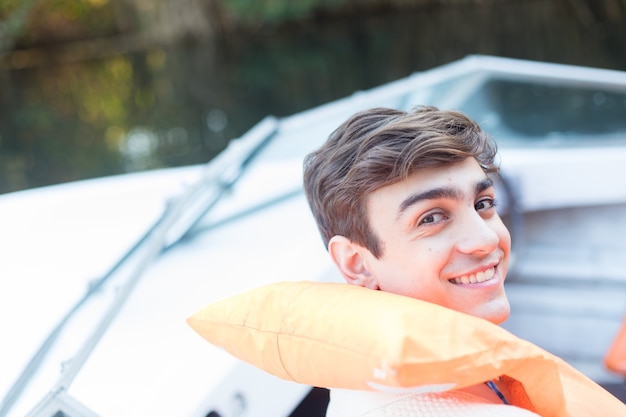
(90, 88)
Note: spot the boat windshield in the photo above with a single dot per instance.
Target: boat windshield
(523, 112)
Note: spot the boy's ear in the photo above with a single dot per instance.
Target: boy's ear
(349, 259)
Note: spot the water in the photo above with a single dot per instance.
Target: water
(169, 105)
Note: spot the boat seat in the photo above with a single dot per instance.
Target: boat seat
(615, 359)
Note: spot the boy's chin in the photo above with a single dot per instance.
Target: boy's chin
(497, 312)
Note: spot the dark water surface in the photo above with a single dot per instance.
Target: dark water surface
(180, 104)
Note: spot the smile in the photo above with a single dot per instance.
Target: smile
(481, 276)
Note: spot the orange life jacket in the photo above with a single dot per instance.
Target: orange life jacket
(342, 336)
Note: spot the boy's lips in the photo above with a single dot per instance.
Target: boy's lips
(476, 277)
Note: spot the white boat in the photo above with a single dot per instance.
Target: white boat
(98, 276)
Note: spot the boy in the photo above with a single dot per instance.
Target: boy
(405, 203)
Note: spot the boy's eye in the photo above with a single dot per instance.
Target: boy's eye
(432, 218)
(485, 204)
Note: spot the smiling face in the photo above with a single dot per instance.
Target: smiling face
(442, 241)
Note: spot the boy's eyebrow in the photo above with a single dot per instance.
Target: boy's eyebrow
(483, 185)
(441, 192)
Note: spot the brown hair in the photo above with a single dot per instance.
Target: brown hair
(379, 147)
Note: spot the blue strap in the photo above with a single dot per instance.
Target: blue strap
(495, 389)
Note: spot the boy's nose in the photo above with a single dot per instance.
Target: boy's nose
(477, 236)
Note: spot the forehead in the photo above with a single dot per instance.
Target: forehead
(455, 181)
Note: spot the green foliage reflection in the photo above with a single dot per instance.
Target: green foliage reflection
(69, 110)
(277, 11)
(72, 121)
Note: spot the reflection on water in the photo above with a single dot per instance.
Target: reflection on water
(180, 104)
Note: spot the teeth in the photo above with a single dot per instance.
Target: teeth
(481, 276)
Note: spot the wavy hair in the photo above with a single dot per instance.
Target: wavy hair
(379, 147)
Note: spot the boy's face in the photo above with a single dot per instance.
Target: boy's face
(442, 240)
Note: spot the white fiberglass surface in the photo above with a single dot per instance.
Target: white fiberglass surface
(151, 362)
(55, 240)
(148, 362)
